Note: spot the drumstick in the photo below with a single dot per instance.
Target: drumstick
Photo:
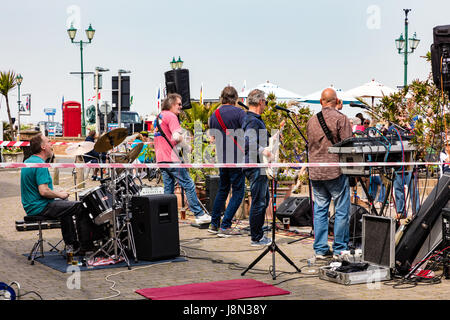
(73, 191)
(67, 190)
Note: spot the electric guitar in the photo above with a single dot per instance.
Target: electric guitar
(274, 147)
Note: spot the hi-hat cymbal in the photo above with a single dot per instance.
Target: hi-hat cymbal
(129, 157)
(110, 139)
(77, 149)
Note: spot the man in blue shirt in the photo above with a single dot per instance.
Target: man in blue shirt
(225, 124)
(38, 197)
(256, 142)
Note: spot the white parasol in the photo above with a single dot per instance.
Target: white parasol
(372, 89)
(280, 93)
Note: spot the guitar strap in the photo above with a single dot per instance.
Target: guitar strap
(325, 128)
(225, 129)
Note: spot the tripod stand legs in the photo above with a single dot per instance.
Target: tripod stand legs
(272, 248)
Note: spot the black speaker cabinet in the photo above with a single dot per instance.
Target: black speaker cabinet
(211, 188)
(440, 57)
(298, 209)
(155, 226)
(177, 81)
(425, 229)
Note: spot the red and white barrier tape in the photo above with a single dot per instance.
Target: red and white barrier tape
(55, 143)
(213, 165)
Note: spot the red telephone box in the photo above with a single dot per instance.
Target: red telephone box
(71, 119)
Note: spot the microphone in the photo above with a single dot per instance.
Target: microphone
(282, 109)
(242, 105)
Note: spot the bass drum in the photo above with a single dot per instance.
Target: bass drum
(98, 201)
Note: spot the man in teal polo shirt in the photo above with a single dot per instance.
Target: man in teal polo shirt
(39, 198)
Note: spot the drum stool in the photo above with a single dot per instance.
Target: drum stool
(39, 244)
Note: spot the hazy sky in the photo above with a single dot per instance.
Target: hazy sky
(302, 46)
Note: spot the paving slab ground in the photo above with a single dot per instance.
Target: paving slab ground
(209, 258)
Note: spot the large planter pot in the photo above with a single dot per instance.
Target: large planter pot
(13, 157)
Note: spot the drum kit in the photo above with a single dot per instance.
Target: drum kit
(108, 204)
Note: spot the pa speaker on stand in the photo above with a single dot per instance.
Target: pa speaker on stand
(440, 57)
(177, 81)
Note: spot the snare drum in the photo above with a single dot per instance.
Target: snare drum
(121, 185)
(98, 201)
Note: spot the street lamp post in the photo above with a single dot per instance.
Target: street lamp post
(176, 64)
(402, 46)
(19, 80)
(90, 35)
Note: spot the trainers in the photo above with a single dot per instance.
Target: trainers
(324, 256)
(225, 233)
(264, 241)
(203, 219)
(213, 229)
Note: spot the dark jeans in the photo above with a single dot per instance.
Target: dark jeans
(65, 211)
(230, 178)
(259, 189)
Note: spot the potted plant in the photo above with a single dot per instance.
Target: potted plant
(12, 154)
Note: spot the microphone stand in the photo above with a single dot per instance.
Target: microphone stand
(273, 247)
(311, 203)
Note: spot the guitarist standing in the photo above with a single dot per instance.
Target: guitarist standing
(256, 146)
(167, 137)
(225, 124)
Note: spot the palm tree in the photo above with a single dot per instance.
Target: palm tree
(7, 82)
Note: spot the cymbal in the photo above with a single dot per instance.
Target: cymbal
(130, 138)
(77, 149)
(110, 139)
(134, 153)
(129, 157)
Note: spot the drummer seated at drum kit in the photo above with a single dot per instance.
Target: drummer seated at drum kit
(39, 198)
(94, 156)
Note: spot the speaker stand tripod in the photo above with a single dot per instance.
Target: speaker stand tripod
(273, 246)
